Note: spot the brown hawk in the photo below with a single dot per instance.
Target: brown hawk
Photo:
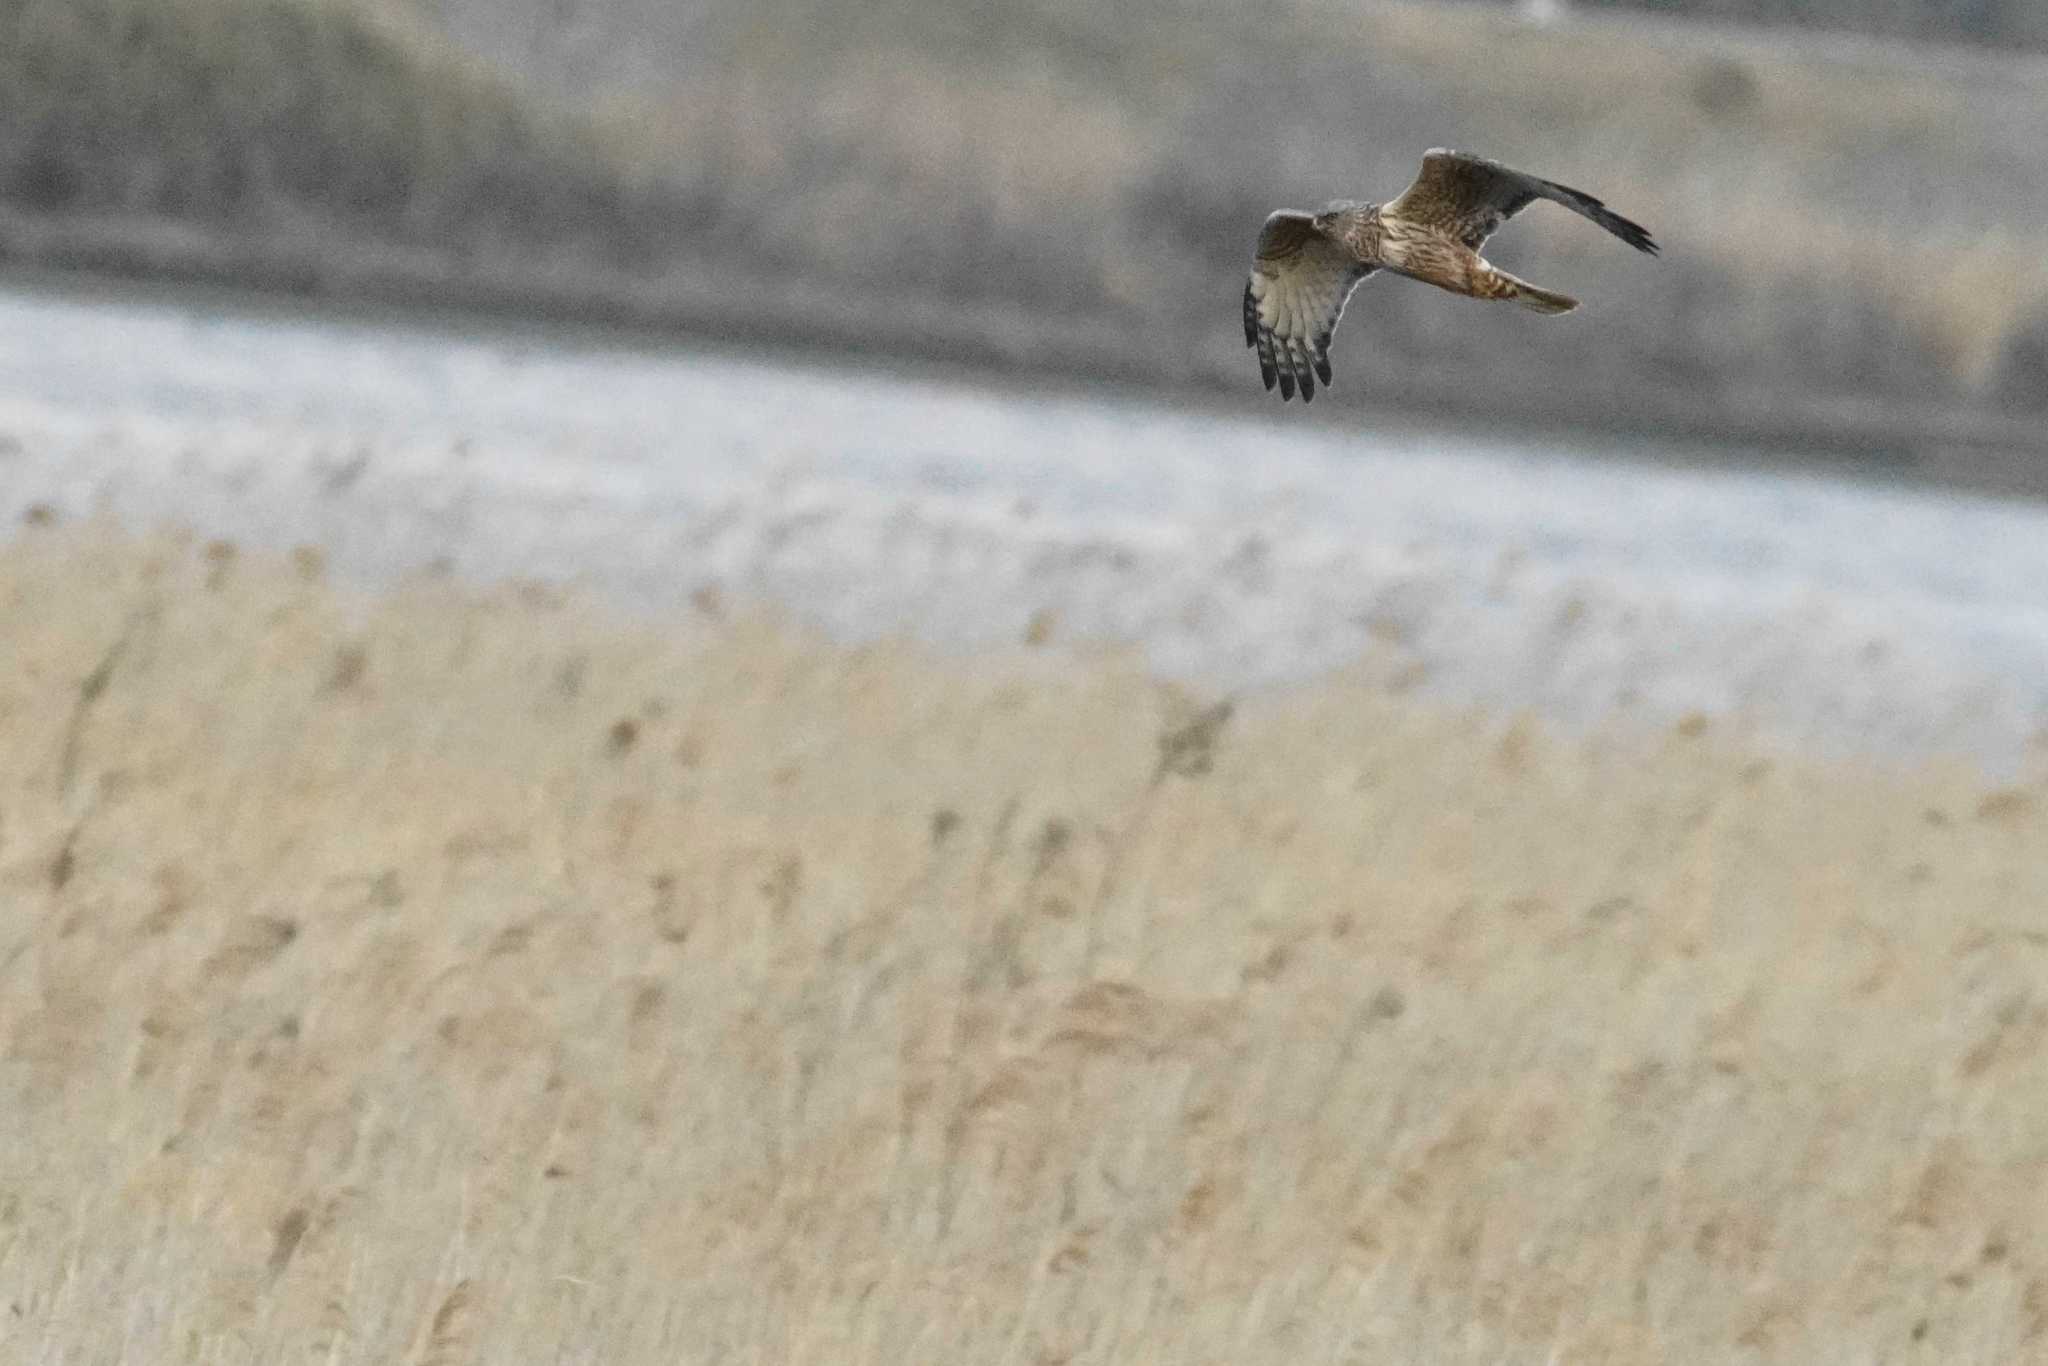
(1306, 265)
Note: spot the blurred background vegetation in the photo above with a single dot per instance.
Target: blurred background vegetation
(1994, 23)
(1851, 192)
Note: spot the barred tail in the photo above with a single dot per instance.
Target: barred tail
(1511, 289)
(1544, 300)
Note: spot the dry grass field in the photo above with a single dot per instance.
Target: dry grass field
(464, 976)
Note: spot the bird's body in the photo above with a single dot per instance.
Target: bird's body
(1306, 265)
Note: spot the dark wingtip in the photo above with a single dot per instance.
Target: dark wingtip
(1286, 385)
(1635, 234)
(1629, 231)
(1251, 316)
(1323, 369)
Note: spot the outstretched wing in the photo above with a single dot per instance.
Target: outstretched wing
(1470, 197)
(1299, 282)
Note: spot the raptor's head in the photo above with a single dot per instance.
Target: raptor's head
(1335, 211)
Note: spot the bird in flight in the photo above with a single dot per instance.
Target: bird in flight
(1307, 264)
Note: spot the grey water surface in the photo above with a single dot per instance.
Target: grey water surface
(1236, 550)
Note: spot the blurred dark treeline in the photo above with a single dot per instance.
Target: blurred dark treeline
(1853, 236)
(1991, 23)
(269, 115)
